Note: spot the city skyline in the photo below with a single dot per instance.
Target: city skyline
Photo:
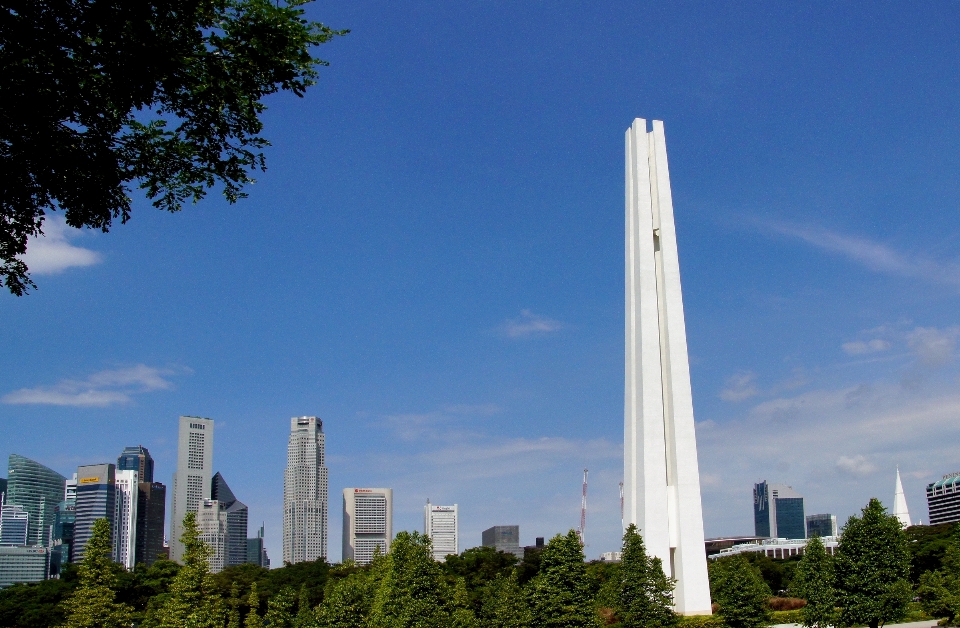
(432, 263)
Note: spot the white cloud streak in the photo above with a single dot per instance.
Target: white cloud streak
(875, 256)
(104, 388)
(860, 347)
(740, 387)
(530, 324)
(52, 252)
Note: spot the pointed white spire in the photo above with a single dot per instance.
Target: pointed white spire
(900, 503)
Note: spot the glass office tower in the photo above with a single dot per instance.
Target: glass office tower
(96, 499)
(778, 512)
(38, 490)
(137, 458)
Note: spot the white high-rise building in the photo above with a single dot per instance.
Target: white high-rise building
(125, 520)
(192, 479)
(367, 523)
(661, 472)
(305, 493)
(441, 524)
(214, 531)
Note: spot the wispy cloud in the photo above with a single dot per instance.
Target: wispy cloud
(876, 256)
(933, 347)
(740, 387)
(529, 324)
(861, 347)
(855, 465)
(105, 388)
(52, 252)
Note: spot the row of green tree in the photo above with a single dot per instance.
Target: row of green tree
(867, 582)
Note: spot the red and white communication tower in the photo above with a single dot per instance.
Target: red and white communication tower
(583, 510)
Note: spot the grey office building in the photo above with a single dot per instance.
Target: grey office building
(237, 515)
(38, 490)
(151, 514)
(191, 480)
(96, 499)
(943, 499)
(256, 551)
(504, 539)
(778, 512)
(821, 525)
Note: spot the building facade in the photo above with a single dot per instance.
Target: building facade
(191, 480)
(305, 493)
(151, 510)
(125, 519)
(503, 539)
(257, 551)
(943, 499)
(822, 525)
(23, 564)
(661, 482)
(367, 523)
(441, 524)
(137, 458)
(778, 512)
(96, 499)
(237, 515)
(777, 548)
(212, 525)
(38, 490)
(14, 524)
(64, 521)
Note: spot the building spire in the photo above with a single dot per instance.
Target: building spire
(900, 510)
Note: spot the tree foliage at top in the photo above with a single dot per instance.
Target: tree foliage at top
(737, 587)
(560, 596)
(939, 590)
(165, 95)
(92, 604)
(813, 581)
(193, 601)
(413, 592)
(645, 594)
(872, 566)
(504, 604)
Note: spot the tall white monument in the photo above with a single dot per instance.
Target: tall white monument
(900, 510)
(661, 473)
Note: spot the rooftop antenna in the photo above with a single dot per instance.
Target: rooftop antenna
(583, 510)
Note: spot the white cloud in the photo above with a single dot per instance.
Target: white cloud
(933, 347)
(104, 388)
(860, 347)
(856, 465)
(740, 387)
(52, 253)
(530, 324)
(875, 256)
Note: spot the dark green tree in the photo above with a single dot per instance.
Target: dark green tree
(253, 619)
(504, 604)
(645, 596)
(560, 595)
(813, 581)
(281, 609)
(939, 590)
(192, 600)
(92, 604)
(413, 592)
(350, 594)
(738, 589)
(164, 95)
(305, 616)
(872, 566)
(233, 603)
(479, 566)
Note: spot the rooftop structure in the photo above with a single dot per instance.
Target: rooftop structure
(943, 499)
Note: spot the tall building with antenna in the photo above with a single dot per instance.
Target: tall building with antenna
(305, 493)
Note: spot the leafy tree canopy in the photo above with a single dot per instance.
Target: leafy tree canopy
(813, 581)
(166, 95)
(872, 566)
(92, 604)
(560, 594)
(939, 590)
(645, 594)
(737, 587)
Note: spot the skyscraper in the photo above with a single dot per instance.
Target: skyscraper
(236, 513)
(14, 524)
(440, 523)
(38, 490)
(125, 519)
(778, 512)
(305, 493)
(503, 539)
(256, 552)
(191, 480)
(661, 473)
(137, 458)
(151, 509)
(367, 523)
(943, 499)
(96, 499)
(212, 524)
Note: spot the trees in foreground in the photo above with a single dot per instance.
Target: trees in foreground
(93, 603)
(939, 590)
(813, 582)
(738, 589)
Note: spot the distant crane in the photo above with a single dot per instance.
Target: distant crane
(583, 510)
(621, 506)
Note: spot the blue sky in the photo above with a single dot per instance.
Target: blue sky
(433, 264)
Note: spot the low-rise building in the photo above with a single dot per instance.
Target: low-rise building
(777, 548)
(23, 564)
(504, 539)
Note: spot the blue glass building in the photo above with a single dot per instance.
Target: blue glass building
(38, 490)
(778, 512)
(96, 499)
